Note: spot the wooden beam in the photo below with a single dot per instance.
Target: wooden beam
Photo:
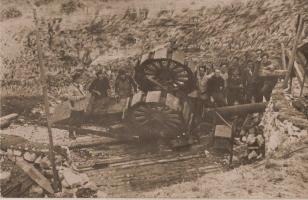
(56, 182)
(299, 29)
(33, 173)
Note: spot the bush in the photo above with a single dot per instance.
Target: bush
(39, 3)
(10, 13)
(70, 7)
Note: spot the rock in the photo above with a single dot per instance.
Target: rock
(38, 160)
(48, 173)
(272, 164)
(65, 194)
(252, 155)
(45, 163)
(65, 184)
(85, 193)
(90, 184)
(73, 179)
(235, 159)
(4, 176)
(251, 139)
(17, 153)
(101, 194)
(30, 157)
(36, 191)
(10, 151)
(260, 140)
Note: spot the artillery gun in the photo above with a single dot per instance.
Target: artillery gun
(162, 109)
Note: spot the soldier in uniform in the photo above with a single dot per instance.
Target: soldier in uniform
(269, 82)
(249, 82)
(125, 85)
(257, 80)
(235, 88)
(215, 88)
(76, 96)
(99, 86)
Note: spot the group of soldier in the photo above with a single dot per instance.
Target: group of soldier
(230, 84)
(235, 83)
(76, 94)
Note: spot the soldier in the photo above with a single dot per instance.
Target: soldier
(249, 82)
(235, 67)
(125, 85)
(76, 96)
(235, 88)
(225, 76)
(269, 82)
(215, 88)
(100, 86)
(257, 80)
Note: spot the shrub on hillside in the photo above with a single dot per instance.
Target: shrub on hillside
(39, 3)
(70, 7)
(10, 13)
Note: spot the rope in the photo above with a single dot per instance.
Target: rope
(225, 121)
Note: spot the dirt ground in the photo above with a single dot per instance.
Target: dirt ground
(284, 178)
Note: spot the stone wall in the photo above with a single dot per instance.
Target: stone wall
(284, 126)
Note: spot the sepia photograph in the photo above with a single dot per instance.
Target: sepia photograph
(154, 99)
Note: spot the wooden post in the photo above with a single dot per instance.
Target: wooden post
(299, 29)
(283, 52)
(44, 87)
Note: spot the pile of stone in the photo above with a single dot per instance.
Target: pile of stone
(33, 161)
(251, 135)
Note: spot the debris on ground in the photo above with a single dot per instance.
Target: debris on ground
(32, 159)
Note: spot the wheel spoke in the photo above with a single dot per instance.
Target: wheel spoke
(179, 70)
(182, 74)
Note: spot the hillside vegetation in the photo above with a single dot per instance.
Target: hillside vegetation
(82, 34)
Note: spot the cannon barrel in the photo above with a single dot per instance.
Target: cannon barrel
(237, 109)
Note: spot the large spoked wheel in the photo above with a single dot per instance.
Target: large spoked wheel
(153, 120)
(164, 72)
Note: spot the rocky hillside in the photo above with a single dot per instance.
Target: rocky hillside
(84, 34)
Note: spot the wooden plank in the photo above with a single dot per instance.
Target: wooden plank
(153, 97)
(223, 131)
(33, 173)
(162, 161)
(17, 189)
(136, 98)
